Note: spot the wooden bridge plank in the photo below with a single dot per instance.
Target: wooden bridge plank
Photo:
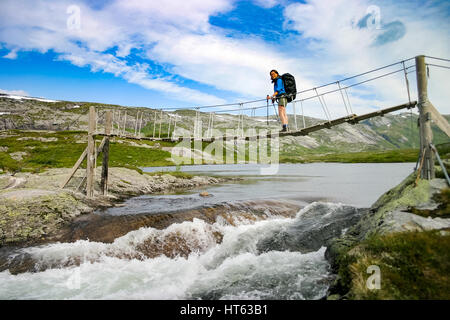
(438, 119)
(74, 168)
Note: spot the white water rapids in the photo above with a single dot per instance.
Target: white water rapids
(233, 269)
(247, 258)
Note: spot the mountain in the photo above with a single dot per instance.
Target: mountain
(393, 131)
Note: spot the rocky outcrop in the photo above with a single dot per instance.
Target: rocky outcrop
(33, 207)
(391, 213)
(36, 214)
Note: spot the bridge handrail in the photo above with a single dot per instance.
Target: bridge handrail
(302, 91)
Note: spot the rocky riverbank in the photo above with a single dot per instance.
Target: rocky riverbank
(33, 207)
(406, 235)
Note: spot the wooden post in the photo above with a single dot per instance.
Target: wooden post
(105, 162)
(140, 124)
(90, 154)
(74, 168)
(95, 155)
(160, 124)
(154, 125)
(112, 128)
(96, 124)
(136, 124)
(168, 130)
(124, 124)
(426, 135)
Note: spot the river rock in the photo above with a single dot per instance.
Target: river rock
(398, 221)
(389, 214)
(18, 156)
(31, 214)
(33, 207)
(42, 139)
(316, 225)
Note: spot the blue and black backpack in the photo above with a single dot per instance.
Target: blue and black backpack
(289, 86)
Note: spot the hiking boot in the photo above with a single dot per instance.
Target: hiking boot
(284, 129)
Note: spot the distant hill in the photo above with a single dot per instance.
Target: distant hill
(397, 131)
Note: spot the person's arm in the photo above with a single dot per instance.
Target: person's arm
(278, 87)
(274, 96)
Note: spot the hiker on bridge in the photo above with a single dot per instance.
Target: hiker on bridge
(280, 96)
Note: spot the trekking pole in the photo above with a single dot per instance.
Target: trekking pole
(276, 113)
(267, 112)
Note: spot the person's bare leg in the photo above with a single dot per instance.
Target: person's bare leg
(282, 113)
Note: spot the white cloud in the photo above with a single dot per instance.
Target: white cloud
(340, 47)
(11, 55)
(14, 92)
(228, 64)
(177, 36)
(41, 25)
(136, 74)
(266, 3)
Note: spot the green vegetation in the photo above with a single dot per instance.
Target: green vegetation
(413, 265)
(444, 150)
(123, 155)
(34, 151)
(399, 155)
(147, 131)
(442, 211)
(41, 150)
(178, 174)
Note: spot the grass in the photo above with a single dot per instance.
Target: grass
(64, 152)
(122, 155)
(413, 265)
(399, 155)
(178, 174)
(442, 211)
(444, 150)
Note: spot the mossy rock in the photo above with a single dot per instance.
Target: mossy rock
(361, 246)
(413, 265)
(31, 218)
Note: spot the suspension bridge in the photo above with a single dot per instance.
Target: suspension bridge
(116, 123)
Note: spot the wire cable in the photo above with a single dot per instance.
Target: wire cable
(442, 59)
(436, 65)
(303, 91)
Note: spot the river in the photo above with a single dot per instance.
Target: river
(250, 247)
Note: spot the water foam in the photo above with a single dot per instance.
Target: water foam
(217, 261)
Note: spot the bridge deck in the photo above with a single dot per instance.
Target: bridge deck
(353, 119)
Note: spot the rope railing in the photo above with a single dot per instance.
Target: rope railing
(299, 92)
(437, 65)
(436, 58)
(302, 96)
(322, 94)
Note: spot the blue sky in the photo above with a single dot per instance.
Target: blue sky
(180, 53)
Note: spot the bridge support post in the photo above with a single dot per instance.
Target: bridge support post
(426, 135)
(105, 162)
(90, 154)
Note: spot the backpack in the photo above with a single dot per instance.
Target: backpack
(289, 86)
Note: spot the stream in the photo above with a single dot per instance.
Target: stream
(263, 237)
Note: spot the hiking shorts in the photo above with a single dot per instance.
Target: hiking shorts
(282, 101)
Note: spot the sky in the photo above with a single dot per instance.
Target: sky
(191, 53)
